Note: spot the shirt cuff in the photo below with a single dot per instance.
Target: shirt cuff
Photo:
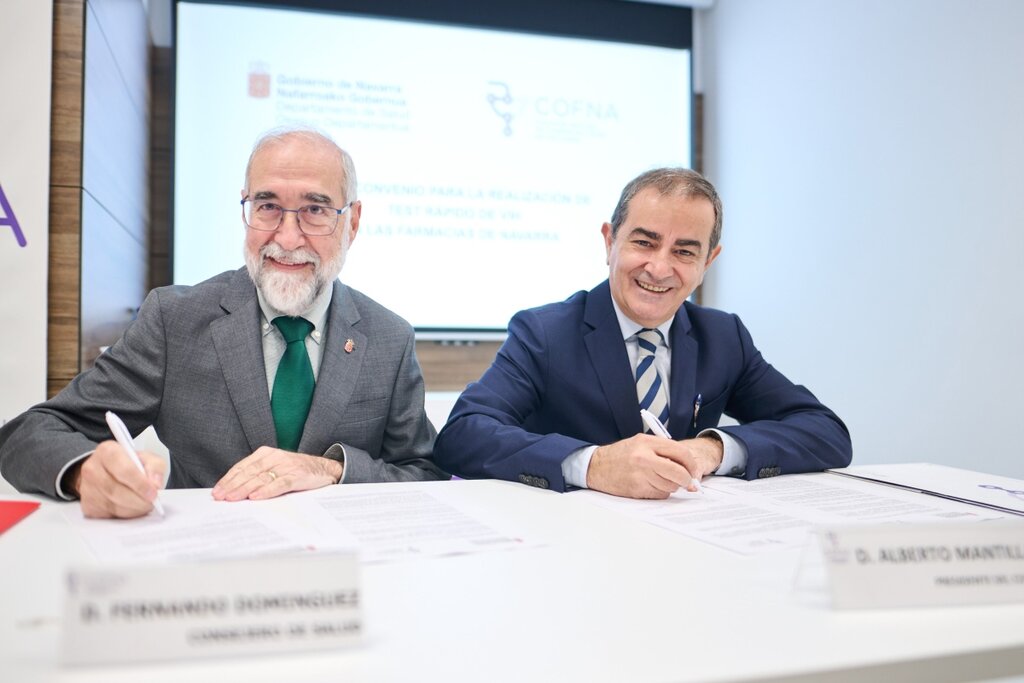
(60, 475)
(575, 466)
(734, 454)
(337, 452)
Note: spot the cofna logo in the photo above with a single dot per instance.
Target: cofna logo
(546, 108)
(9, 220)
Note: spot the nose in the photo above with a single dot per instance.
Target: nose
(288, 233)
(659, 265)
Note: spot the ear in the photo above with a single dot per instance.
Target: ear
(606, 230)
(711, 259)
(354, 214)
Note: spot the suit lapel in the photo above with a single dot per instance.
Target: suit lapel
(240, 352)
(683, 390)
(339, 369)
(607, 353)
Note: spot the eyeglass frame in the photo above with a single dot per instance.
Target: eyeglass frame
(337, 218)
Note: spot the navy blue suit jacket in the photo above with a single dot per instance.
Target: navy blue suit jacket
(562, 381)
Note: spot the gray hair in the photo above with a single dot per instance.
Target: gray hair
(681, 182)
(313, 135)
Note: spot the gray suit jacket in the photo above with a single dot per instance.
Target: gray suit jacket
(192, 366)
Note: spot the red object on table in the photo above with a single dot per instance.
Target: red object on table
(13, 511)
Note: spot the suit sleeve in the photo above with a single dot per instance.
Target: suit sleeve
(405, 453)
(127, 379)
(784, 428)
(485, 437)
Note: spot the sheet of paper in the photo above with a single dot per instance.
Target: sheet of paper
(195, 527)
(750, 517)
(392, 523)
(826, 498)
(399, 524)
(715, 517)
(998, 493)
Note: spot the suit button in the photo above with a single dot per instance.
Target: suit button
(766, 472)
(542, 482)
(522, 479)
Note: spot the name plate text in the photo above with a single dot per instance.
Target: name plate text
(268, 604)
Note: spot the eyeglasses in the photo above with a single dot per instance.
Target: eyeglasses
(314, 219)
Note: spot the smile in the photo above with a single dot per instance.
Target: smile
(652, 288)
(287, 265)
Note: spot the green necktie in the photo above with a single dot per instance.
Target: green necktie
(293, 384)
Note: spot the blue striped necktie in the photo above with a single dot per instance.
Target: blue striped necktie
(650, 390)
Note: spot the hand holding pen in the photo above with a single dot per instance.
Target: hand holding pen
(111, 483)
(124, 439)
(658, 429)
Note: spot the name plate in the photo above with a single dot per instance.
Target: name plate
(269, 604)
(916, 565)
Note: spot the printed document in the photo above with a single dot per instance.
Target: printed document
(987, 490)
(395, 523)
(751, 517)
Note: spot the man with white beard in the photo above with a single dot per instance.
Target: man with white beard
(272, 378)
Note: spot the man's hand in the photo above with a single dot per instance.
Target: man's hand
(645, 466)
(271, 472)
(110, 485)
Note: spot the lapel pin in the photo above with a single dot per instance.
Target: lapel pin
(350, 346)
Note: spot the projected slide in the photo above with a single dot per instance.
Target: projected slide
(487, 160)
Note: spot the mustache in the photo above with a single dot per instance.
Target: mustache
(293, 257)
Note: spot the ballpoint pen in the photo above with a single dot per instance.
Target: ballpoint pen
(658, 429)
(697, 400)
(123, 438)
(654, 424)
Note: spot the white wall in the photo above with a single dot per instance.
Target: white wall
(870, 155)
(25, 47)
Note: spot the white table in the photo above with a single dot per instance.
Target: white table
(607, 599)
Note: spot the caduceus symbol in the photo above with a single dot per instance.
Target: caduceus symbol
(501, 103)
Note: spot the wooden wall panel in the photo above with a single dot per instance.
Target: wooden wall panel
(450, 367)
(161, 185)
(65, 193)
(66, 93)
(62, 283)
(698, 132)
(698, 161)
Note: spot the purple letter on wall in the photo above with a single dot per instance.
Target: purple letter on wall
(8, 219)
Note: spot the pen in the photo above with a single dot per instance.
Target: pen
(658, 429)
(697, 400)
(122, 437)
(654, 424)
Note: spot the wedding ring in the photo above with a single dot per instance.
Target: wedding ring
(273, 474)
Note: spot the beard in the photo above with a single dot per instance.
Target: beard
(292, 293)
